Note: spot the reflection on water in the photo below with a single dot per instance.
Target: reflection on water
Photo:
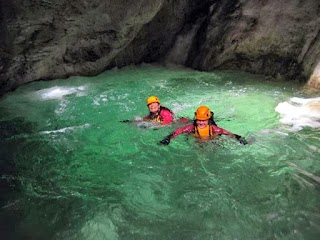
(72, 170)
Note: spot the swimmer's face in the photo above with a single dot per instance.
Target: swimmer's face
(202, 123)
(154, 107)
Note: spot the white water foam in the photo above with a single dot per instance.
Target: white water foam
(300, 112)
(59, 92)
(66, 129)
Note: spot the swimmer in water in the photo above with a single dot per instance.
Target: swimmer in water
(158, 114)
(203, 127)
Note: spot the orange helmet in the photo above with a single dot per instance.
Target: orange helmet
(203, 113)
(153, 99)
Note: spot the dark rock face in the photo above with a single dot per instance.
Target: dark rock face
(266, 37)
(48, 39)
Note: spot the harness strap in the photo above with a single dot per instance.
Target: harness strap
(197, 131)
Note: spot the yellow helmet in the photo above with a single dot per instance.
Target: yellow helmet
(153, 99)
(203, 113)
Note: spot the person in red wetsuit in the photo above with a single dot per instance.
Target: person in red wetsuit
(203, 127)
(158, 113)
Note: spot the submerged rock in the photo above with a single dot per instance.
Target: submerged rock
(314, 80)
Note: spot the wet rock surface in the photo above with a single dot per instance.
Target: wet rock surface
(45, 39)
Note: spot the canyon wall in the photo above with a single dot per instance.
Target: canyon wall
(49, 39)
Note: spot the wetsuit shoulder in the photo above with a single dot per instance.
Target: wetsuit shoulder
(166, 116)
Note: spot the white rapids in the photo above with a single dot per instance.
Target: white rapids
(300, 112)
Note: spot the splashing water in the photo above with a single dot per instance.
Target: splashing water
(71, 170)
(300, 112)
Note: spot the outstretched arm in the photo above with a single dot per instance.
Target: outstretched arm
(219, 130)
(185, 129)
(146, 117)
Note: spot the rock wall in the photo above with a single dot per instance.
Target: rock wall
(48, 39)
(277, 38)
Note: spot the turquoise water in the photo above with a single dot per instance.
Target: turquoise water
(71, 170)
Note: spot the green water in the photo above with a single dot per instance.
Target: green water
(71, 170)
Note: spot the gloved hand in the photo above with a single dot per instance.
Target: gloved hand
(241, 140)
(166, 140)
(125, 121)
